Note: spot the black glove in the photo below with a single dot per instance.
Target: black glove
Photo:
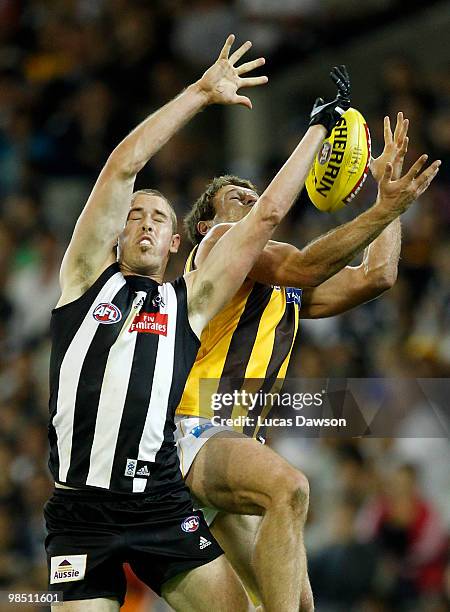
(329, 113)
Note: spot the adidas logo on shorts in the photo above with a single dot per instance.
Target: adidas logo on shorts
(204, 542)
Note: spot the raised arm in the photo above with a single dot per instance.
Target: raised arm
(323, 257)
(230, 259)
(353, 286)
(285, 265)
(92, 245)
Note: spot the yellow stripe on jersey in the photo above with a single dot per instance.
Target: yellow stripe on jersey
(251, 338)
(189, 265)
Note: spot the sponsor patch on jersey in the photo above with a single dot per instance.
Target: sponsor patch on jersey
(197, 431)
(107, 313)
(150, 323)
(143, 472)
(67, 569)
(190, 524)
(293, 296)
(130, 469)
(158, 301)
(138, 468)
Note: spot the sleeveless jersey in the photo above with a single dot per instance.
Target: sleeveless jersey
(121, 354)
(251, 338)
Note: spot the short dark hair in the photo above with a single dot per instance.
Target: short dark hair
(203, 209)
(157, 193)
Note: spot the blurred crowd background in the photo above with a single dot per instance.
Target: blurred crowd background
(75, 77)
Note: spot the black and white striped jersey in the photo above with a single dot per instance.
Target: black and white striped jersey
(120, 357)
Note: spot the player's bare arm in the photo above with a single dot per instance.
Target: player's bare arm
(355, 285)
(91, 249)
(285, 265)
(231, 258)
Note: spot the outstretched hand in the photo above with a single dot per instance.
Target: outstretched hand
(398, 194)
(221, 82)
(395, 148)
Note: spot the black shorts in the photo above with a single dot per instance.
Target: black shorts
(91, 534)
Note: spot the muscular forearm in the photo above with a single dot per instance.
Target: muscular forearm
(380, 261)
(279, 196)
(148, 137)
(353, 286)
(335, 249)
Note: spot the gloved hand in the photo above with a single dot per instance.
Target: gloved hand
(328, 113)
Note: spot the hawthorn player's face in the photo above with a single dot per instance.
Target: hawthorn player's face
(148, 238)
(233, 203)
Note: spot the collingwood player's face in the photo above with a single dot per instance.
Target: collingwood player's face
(147, 239)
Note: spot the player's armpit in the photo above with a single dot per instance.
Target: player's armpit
(228, 263)
(348, 288)
(91, 248)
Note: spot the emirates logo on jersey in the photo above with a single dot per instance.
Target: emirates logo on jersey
(150, 323)
(107, 313)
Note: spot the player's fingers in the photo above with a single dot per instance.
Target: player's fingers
(340, 77)
(337, 79)
(253, 81)
(343, 69)
(243, 68)
(387, 174)
(403, 131)
(400, 158)
(234, 57)
(244, 101)
(416, 168)
(423, 180)
(398, 125)
(401, 154)
(227, 46)
(387, 131)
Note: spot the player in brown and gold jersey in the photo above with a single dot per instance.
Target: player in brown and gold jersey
(252, 337)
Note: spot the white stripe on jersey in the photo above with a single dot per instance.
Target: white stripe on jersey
(112, 401)
(153, 433)
(70, 374)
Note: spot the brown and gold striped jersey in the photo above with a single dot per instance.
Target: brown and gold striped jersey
(250, 338)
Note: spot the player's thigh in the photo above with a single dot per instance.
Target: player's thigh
(213, 586)
(101, 604)
(236, 534)
(240, 475)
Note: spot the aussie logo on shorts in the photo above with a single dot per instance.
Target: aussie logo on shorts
(107, 313)
(190, 524)
(67, 569)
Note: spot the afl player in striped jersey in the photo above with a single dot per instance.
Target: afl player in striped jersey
(123, 342)
(231, 475)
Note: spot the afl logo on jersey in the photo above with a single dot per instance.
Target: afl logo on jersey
(190, 524)
(107, 313)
